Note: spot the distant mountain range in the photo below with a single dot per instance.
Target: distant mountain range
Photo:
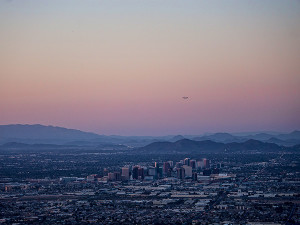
(289, 139)
(190, 146)
(40, 134)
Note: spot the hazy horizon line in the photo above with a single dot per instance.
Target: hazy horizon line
(136, 135)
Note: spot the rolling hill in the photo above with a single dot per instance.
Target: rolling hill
(190, 146)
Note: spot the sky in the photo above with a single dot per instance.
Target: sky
(123, 66)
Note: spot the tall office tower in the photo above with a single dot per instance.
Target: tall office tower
(157, 171)
(152, 171)
(111, 176)
(160, 173)
(125, 173)
(188, 171)
(141, 174)
(166, 168)
(180, 173)
(135, 172)
(178, 165)
(193, 163)
(171, 163)
(194, 177)
(200, 164)
(117, 176)
(186, 161)
(206, 163)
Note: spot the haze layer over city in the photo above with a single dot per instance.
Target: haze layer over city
(149, 112)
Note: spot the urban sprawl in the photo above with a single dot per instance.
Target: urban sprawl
(216, 189)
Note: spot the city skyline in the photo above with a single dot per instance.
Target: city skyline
(123, 67)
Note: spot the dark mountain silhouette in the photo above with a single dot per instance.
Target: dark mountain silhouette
(277, 141)
(34, 134)
(288, 142)
(219, 137)
(289, 139)
(295, 135)
(42, 134)
(184, 145)
(191, 146)
(253, 145)
(176, 138)
(260, 136)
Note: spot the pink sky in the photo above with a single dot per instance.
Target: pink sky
(116, 68)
